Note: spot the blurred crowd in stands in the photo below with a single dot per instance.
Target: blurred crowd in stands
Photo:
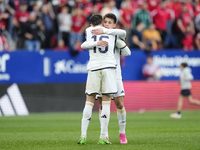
(60, 24)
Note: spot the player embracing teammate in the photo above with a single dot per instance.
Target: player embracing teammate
(105, 47)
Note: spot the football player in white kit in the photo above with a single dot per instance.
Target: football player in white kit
(109, 22)
(101, 78)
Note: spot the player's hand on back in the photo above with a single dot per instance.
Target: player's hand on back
(102, 43)
(97, 31)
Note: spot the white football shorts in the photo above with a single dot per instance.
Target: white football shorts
(101, 81)
(120, 90)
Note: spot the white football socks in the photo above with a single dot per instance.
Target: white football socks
(100, 122)
(104, 120)
(121, 115)
(87, 114)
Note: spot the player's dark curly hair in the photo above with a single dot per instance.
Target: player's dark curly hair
(111, 16)
(96, 19)
(184, 65)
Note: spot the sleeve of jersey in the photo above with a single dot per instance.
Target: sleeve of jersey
(124, 50)
(121, 33)
(88, 44)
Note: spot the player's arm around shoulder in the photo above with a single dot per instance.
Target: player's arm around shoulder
(121, 33)
(121, 45)
(88, 44)
(91, 44)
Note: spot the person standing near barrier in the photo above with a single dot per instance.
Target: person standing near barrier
(151, 71)
(185, 81)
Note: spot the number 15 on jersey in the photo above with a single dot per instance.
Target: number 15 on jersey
(100, 38)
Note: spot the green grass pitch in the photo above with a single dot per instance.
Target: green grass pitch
(61, 131)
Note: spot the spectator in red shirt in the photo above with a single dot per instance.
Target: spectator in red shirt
(175, 5)
(16, 4)
(5, 11)
(138, 4)
(170, 39)
(87, 7)
(184, 20)
(21, 16)
(78, 26)
(160, 17)
(187, 41)
(3, 20)
(126, 13)
(179, 28)
(98, 4)
(190, 9)
(19, 20)
(196, 7)
(152, 4)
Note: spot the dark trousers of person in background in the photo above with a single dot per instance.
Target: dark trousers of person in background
(48, 39)
(65, 36)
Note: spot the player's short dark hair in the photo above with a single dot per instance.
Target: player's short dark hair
(96, 19)
(184, 65)
(111, 16)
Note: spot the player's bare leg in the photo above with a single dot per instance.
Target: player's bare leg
(193, 101)
(87, 114)
(179, 108)
(100, 103)
(121, 115)
(104, 120)
(180, 103)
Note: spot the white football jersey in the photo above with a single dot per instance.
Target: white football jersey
(120, 49)
(101, 57)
